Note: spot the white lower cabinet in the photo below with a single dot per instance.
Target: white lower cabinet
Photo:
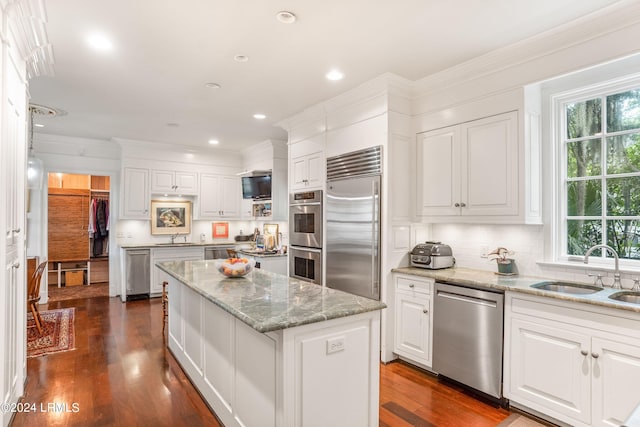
(413, 314)
(274, 264)
(576, 363)
(170, 254)
(289, 377)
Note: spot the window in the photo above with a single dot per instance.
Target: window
(600, 155)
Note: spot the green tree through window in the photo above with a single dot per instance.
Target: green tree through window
(602, 185)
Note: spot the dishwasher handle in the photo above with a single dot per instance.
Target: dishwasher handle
(468, 299)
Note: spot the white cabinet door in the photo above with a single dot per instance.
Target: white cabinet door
(307, 164)
(174, 182)
(273, 264)
(135, 193)
(438, 172)
(162, 181)
(616, 375)
(413, 318)
(551, 369)
(298, 172)
(413, 324)
(230, 195)
(315, 169)
(489, 165)
(469, 169)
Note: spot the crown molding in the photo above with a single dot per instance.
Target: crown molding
(27, 21)
(607, 20)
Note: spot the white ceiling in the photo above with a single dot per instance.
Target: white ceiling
(166, 50)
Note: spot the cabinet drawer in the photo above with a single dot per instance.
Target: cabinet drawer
(405, 284)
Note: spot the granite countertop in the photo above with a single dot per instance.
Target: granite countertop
(175, 245)
(488, 279)
(268, 301)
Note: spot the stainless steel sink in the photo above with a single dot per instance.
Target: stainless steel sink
(626, 296)
(567, 288)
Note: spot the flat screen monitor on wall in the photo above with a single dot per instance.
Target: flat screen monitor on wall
(256, 187)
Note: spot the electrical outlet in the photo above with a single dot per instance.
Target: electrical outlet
(335, 344)
(484, 251)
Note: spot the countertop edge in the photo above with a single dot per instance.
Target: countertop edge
(517, 283)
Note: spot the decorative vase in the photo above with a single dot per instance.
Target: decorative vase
(505, 266)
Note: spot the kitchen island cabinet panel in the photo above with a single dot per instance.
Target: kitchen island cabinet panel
(305, 371)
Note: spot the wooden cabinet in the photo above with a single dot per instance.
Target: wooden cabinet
(577, 364)
(135, 193)
(68, 223)
(174, 182)
(170, 254)
(306, 165)
(220, 196)
(469, 169)
(413, 319)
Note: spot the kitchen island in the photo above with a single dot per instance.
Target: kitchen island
(270, 350)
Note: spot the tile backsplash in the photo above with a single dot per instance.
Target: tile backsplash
(469, 241)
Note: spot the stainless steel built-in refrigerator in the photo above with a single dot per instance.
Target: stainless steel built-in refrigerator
(353, 222)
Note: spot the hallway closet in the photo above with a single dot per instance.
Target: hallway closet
(78, 229)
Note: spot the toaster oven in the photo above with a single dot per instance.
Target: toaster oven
(432, 255)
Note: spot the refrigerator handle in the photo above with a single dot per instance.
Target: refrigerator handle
(375, 242)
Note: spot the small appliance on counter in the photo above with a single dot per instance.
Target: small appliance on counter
(432, 255)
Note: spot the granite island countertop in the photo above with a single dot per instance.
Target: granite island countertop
(268, 301)
(517, 283)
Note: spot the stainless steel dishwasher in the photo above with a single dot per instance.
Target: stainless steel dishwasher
(467, 336)
(138, 268)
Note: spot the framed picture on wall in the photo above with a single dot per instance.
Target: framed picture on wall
(219, 230)
(170, 217)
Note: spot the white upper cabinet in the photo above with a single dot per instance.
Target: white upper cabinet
(219, 196)
(174, 182)
(307, 168)
(135, 193)
(469, 170)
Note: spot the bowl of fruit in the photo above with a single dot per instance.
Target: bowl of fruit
(235, 267)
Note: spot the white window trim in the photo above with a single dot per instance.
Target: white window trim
(558, 235)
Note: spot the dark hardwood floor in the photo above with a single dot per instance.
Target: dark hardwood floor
(121, 374)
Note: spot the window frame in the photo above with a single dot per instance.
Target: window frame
(558, 121)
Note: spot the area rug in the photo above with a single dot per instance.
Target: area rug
(517, 420)
(58, 332)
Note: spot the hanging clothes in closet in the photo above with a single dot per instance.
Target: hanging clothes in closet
(99, 226)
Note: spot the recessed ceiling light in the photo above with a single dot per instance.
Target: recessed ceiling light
(212, 85)
(259, 116)
(241, 58)
(38, 125)
(334, 75)
(214, 142)
(100, 42)
(286, 17)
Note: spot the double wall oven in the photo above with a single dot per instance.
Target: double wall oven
(305, 236)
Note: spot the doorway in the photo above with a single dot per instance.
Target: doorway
(78, 236)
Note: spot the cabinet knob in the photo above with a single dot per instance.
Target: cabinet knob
(425, 311)
(584, 352)
(16, 264)
(16, 230)
(457, 205)
(595, 355)
(412, 286)
(462, 205)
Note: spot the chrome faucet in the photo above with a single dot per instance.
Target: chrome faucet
(173, 238)
(616, 274)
